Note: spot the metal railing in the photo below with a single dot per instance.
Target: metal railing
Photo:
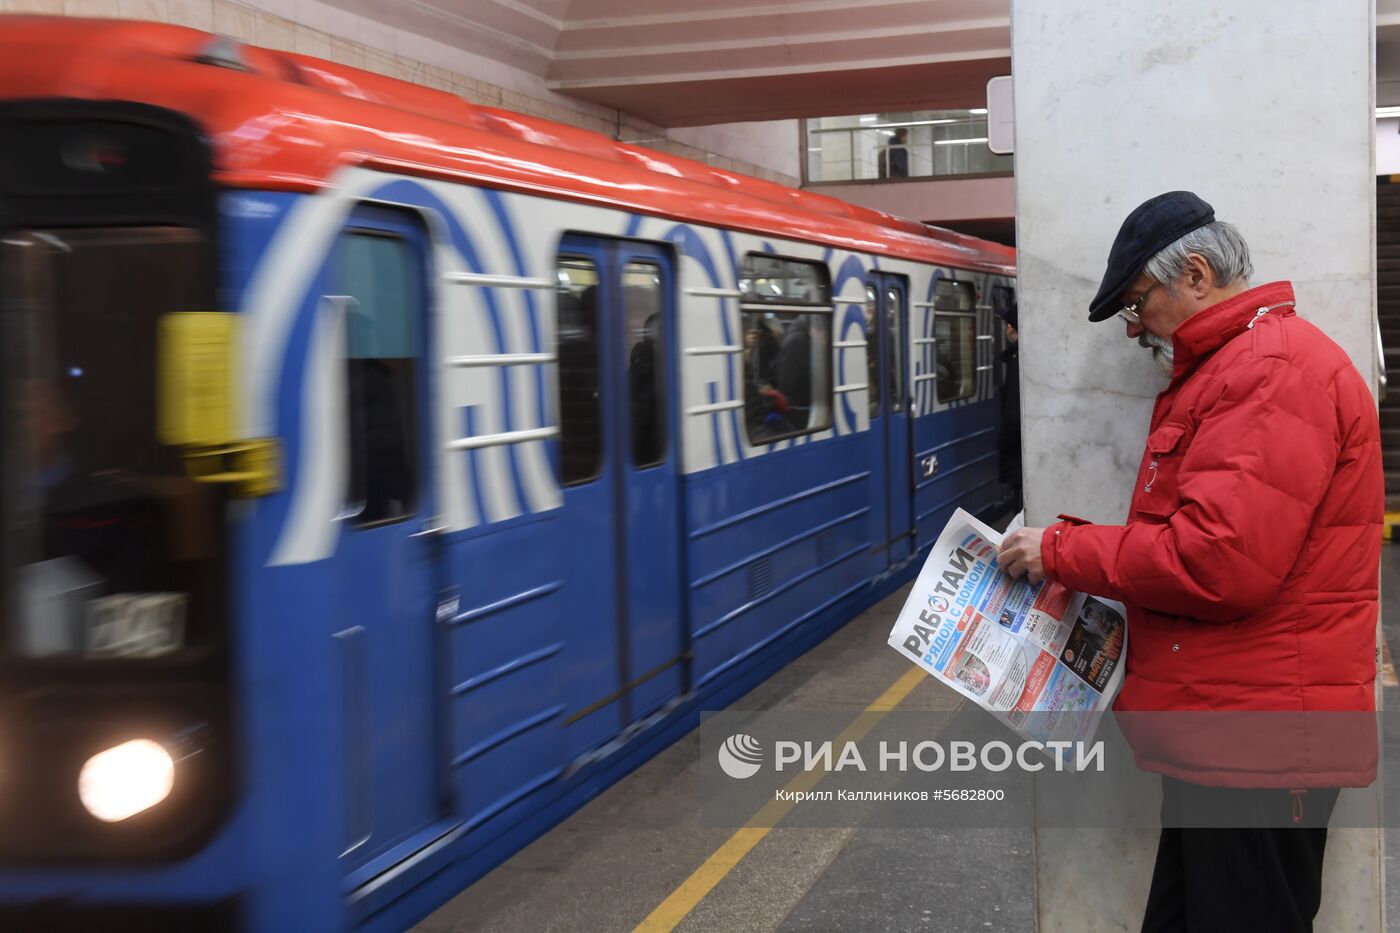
(928, 144)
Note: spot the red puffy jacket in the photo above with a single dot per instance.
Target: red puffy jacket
(1250, 560)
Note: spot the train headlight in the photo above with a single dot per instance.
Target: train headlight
(124, 780)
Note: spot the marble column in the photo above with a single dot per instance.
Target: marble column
(1265, 109)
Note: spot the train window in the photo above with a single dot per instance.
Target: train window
(788, 368)
(775, 280)
(375, 272)
(580, 417)
(955, 336)
(949, 295)
(646, 360)
(107, 549)
(786, 310)
(872, 347)
(894, 343)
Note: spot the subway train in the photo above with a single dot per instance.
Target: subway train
(384, 476)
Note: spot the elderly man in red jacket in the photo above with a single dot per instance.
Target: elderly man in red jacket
(1249, 564)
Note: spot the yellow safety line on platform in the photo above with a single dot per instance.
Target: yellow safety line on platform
(703, 880)
(1388, 528)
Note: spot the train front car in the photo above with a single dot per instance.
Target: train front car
(383, 476)
(116, 714)
(126, 782)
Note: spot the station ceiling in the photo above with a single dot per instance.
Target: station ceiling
(697, 62)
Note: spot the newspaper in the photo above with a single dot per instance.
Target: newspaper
(1011, 647)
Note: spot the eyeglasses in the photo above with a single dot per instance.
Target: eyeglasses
(1129, 312)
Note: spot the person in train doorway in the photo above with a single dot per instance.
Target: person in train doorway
(1249, 566)
(1009, 431)
(645, 372)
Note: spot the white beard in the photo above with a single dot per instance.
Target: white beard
(1162, 351)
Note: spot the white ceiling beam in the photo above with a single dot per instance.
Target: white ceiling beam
(1002, 47)
(820, 68)
(789, 11)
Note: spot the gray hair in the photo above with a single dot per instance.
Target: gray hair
(1218, 243)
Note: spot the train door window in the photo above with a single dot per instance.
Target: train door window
(894, 341)
(955, 339)
(375, 272)
(786, 310)
(645, 338)
(872, 347)
(580, 415)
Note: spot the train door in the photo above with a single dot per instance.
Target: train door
(956, 440)
(384, 562)
(620, 467)
(886, 326)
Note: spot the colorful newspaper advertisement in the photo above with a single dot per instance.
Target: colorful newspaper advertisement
(1010, 647)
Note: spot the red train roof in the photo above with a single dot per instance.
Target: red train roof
(290, 122)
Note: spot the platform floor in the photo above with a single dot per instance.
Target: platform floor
(638, 852)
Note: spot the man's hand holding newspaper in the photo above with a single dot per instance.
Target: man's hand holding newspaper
(1013, 646)
(1020, 554)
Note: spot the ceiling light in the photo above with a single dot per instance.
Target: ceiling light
(959, 142)
(881, 126)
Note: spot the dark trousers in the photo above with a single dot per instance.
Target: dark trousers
(1263, 875)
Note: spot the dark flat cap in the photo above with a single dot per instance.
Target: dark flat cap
(1008, 314)
(1152, 226)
